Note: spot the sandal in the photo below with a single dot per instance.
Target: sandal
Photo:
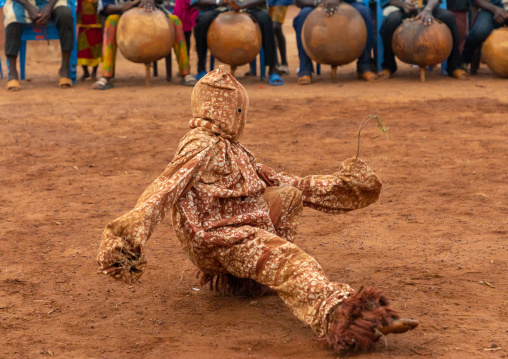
(102, 84)
(188, 80)
(65, 82)
(276, 80)
(460, 74)
(384, 75)
(13, 85)
(304, 80)
(368, 76)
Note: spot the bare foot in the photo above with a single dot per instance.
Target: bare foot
(398, 326)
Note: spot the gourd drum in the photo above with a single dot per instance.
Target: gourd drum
(422, 45)
(234, 38)
(495, 52)
(334, 40)
(145, 37)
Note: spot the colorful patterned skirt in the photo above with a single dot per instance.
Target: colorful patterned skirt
(89, 34)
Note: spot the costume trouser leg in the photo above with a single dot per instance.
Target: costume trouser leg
(306, 68)
(363, 63)
(482, 28)
(180, 46)
(281, 265)
(267, 35)
(454, 61)
(200, 32)
(62, 16)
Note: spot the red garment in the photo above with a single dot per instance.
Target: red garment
(186, 13)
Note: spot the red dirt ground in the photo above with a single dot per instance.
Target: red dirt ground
(436, 242)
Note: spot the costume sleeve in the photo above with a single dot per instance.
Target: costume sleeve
(354, 186)
(121, 252)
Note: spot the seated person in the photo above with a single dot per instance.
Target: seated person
(363, 64)
(277, 10)
(89, 37)
(491, 17)
(19, 12)
(426, 15)
(257, 9)
(113, 9)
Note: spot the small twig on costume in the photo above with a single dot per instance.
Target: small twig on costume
(181, 277)
(380, 125)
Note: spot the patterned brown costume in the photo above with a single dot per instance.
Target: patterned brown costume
(236, 220)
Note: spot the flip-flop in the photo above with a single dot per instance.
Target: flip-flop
(200, 75)
(65, 82)
(460, 74)
(304, 80)
(276, 80)
(102, 84)
(368, 76)
(13, 85)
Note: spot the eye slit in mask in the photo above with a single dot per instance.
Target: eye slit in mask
(239, 110)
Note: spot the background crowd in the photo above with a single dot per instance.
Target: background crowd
(470, 23)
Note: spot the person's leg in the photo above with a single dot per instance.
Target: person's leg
(180, 48)
(187, 41)
(482, 28)
(109, 47)
(363, 63)
(200, 31)
(278, 14)
(454, 68)
(268, 37)
(12, 45)
(305, 68)
(65, 24)
(391, 22)
(346, 320)
(462, 18)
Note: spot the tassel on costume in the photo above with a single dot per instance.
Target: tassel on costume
(230, 285)
(353, 324)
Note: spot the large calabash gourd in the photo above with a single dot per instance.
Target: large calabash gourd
(334, 40)
(234, 38)
(495, 52)
(422, 45)
(145, 37)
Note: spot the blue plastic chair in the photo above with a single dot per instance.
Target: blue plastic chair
(32, 32)
(377, 10)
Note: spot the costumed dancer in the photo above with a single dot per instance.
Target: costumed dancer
(113, 9)
(89, 37)
(236, 220)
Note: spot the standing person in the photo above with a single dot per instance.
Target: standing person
(277, 10)
(187, 15)
(237, 219)
(210, 9)
(89, 37)
(113, 9)
(426, 15)
(364, 61)
(491, 16)
(19, 12)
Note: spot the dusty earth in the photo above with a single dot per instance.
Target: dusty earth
(436, 242)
